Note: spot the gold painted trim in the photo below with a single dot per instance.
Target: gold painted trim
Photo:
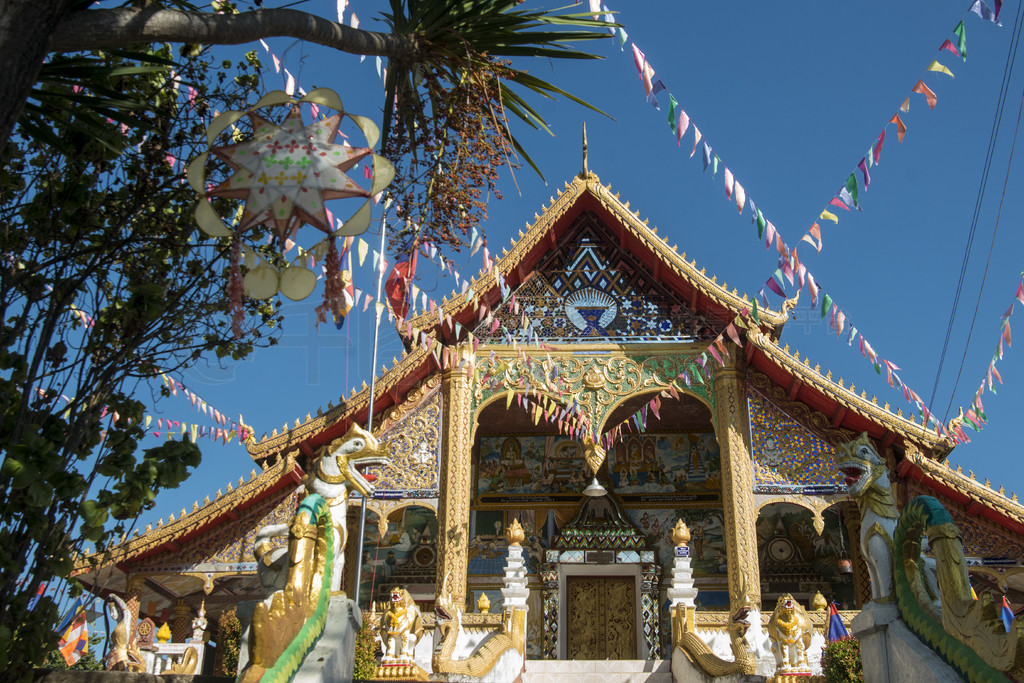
(968, 486)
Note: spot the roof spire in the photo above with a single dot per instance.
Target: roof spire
(586, 170)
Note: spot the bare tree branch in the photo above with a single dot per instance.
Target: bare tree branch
(106, 28)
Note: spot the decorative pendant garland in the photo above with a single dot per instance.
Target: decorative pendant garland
(285, 173)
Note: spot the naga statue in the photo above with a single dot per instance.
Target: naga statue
(124, 652)
(790, 631)
(867, 482)
(401, 627)
(966, 632)
(300, 577)
(511, 635)
(698, 651)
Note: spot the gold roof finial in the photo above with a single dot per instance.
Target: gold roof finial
(514, 533)
(680, 534)
(586, 168)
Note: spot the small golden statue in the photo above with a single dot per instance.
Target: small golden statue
(790, 632)
(818, 602)
(400, 628)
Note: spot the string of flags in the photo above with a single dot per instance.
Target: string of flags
(974, 417)
(789, 268)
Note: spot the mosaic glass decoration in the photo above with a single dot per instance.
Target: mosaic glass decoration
(572, 556)
(627, 557)
(647, 556)
(650, 617)
(590, 289)
(600, 525)
(550, 649)
(789, 457)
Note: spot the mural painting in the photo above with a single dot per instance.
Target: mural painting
(538, 466)
(678, 464)
(707, 537)
(488, 549)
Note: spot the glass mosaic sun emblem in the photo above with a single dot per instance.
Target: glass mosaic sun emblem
(591, 311)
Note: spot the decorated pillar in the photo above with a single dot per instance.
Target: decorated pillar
(737, 478)
(133, 600)
(181, 622)
(454, 498)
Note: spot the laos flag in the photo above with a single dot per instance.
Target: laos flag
(1007, 615)
(836, 628)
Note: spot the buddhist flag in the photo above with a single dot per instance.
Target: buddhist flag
(74, 641)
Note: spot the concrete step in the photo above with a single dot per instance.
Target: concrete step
(594, 671)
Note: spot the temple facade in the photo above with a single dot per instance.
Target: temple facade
(592, 359)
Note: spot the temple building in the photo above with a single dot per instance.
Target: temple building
(591, 323)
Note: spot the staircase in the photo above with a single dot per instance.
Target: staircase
(585, 671)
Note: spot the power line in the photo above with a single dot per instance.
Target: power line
(1011, 58)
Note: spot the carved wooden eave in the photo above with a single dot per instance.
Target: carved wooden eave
(586, 193)
(173, 535)
(976, 497)
(391, 387)
(846, 409)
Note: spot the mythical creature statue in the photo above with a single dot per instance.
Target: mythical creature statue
(698, 650)
(511, 635)
(790, 632)
(300, 577)
(401, 627)
(867, 482)
(124, 652)
(967, 632)
(336, 470)
(700, 653)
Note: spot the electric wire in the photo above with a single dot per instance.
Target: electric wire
(983, 184)
(988, 260)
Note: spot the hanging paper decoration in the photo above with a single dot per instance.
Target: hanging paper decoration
(284, 174)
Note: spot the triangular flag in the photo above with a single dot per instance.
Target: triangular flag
(901, 129)
(935, 66)
(923, 89)
(961, 36)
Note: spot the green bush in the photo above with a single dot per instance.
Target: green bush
(229, 638)
(840, 662)
(366, 652)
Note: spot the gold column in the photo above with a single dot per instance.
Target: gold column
(181, 622)
(737, 477)
(454, 497)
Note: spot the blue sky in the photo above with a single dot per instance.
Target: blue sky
(790, 97)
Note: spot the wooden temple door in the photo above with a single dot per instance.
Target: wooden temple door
(601, 617)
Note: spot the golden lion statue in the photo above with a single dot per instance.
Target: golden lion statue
(790, 632)
(401, 627)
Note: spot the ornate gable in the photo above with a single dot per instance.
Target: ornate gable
(589, 289)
